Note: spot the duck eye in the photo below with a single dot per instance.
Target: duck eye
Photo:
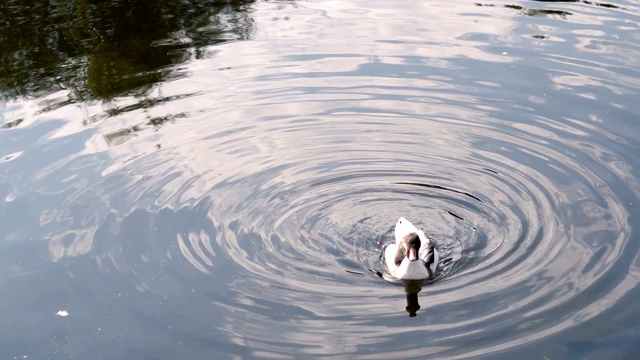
(400, 222)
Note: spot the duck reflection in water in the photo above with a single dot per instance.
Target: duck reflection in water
(412, 288)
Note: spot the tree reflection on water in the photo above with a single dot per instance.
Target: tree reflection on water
(103, 49)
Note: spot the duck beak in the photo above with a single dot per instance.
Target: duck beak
(412, 254)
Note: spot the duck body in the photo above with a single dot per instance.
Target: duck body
(413, 256)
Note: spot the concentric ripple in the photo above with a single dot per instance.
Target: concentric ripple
(253, 225)
(531, 226)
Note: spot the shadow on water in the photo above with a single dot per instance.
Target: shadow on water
(103, 49)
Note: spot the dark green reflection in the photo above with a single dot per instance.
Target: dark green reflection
(101, 49)
(538, 12)
(546, 12)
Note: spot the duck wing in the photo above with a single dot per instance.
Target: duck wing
(429, 255)
(390, 255)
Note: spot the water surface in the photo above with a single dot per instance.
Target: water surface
(216, 179)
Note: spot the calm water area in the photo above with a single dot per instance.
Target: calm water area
(217, 179)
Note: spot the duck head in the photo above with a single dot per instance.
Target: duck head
(409, 248)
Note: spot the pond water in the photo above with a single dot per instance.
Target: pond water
(216, 179)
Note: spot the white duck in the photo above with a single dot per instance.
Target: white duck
(413, 256)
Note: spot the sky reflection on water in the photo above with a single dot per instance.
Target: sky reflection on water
(214, 178)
